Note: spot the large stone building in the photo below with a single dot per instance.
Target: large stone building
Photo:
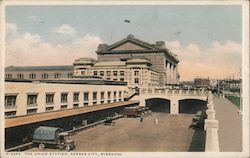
(137, 72)
(163, 61)
(131, 60)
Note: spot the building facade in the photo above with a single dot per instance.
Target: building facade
(39, 72)
(137, 72)
(163, 60)
(26, 98)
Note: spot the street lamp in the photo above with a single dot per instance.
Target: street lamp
(240, 111)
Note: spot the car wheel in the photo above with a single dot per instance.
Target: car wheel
(41, 146)
(67, 148)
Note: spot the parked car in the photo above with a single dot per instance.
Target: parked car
(46, 136)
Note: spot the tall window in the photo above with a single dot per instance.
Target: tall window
(94, 95)
(102, 95)
(82, 72)
(120, 94)
(49, 98)
(70, 75)
(64, 97)
(95, 73)
(115, 73)
(101, 73)
(136, 80)
(45, 76)
(109, 95)
(8, 76)
(32, 76)
(32, 99)
(136, 73)
(115, 94)
(122, 73)
(86, 96)
(108, 73)
(58, 75)
(10, 101)
(20, 76)
(76, 97)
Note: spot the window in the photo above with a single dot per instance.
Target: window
(32, 76)
(45, 76)
(75, 105)
(95, 73)
(8, 76)
(49, 109)
(10, 101)
(122, 73)
(102, 95)
(76, 97)
(121, 79)
(136, 73)
(101, 73)
(136, 80)
(108, 73)
(94, 95)
(64, 107)
(64, 97)
(109, 95)
(115, 73)
(20, 76)
(115, 79)
(115, 94)
(10, 114)
(32, 99)
(82, 72)
(86, 96)
(49, 98)
(58, 75)
(31, 111)
(107, 78)
(70, 75)
(120, 94)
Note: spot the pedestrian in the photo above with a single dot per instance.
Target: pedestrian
(156, 121)
(141, 118)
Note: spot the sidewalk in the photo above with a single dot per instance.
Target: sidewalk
(230, 125)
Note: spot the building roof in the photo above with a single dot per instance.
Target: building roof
(40, 68)
(111, 63)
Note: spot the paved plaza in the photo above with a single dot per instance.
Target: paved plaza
(129, 134)
(230, 125)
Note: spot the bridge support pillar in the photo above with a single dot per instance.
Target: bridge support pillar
(174, 107)
(142, 102)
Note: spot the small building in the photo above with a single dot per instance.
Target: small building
(201, 82)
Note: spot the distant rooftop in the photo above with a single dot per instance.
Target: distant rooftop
(40, 68)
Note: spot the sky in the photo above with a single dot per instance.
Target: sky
(206, 38)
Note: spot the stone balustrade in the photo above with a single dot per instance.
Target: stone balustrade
(211, 127)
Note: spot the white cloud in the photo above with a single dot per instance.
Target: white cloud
(29, 49)
(11, 29)
(219, 60)
(65, 29)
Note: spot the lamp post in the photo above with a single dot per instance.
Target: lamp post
(240, 110)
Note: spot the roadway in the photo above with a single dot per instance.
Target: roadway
(129, 134)
(230, 125)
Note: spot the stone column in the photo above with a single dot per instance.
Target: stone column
(168, 73)
(174, 74)
(142, 102)
(174, 107)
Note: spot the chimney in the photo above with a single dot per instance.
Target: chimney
(160, 44)
(102, 46)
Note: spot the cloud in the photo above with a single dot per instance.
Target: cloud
(65, 29)
(11, 29)
(31, 50)
(218, 60)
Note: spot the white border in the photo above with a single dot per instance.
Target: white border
(245, 71)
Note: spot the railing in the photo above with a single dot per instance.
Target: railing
(199, 92)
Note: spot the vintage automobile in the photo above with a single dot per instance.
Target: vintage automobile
(52, 136)
(135, 111)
